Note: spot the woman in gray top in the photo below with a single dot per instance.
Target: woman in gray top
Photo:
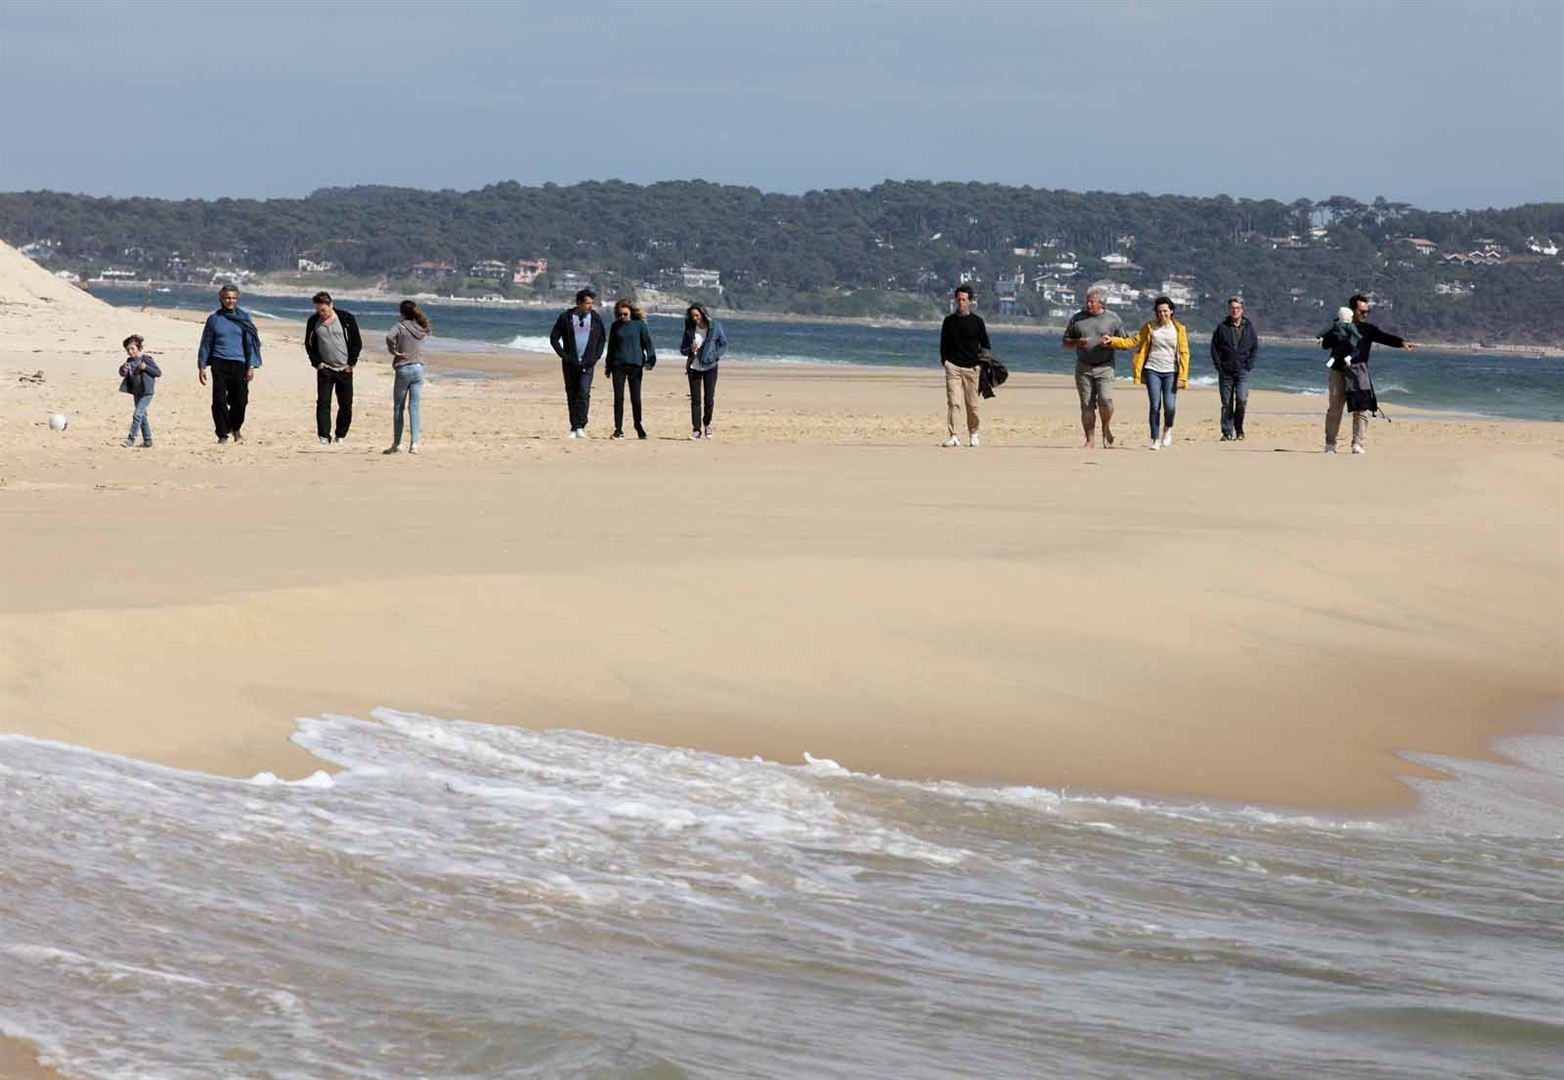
(406, 344)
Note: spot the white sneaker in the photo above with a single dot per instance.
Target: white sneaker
(1154, 444)
(1167, 438)
(581, 433)
(973, 440)
(575, 433)
(695, 434)
(1357, 448)
(707, 433)
(952, 441)
(1330, 448)
(412, 448)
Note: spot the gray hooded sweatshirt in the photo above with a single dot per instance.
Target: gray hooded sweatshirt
(406, 338)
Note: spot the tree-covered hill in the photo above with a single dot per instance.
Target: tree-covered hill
(898, 247)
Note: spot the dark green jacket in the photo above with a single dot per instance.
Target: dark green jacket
(629, 346)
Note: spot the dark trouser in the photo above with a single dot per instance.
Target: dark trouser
(701, 417)
(230, 395)
(1234, 388)
(578, 392)
(632, 376)
(342, 381)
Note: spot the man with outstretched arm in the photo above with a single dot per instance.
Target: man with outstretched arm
(1368, 334)
(1087, 335)
(231, 348)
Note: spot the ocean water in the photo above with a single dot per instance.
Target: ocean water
(1490, 384)
(470, 900)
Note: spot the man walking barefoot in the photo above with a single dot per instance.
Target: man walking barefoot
(1094, 363)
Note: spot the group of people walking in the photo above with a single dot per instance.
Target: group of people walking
(579, 339)
(230, 353)
(1160, 362)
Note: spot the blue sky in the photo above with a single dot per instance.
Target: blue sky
(1441, 104)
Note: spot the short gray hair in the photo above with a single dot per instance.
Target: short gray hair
(1239, 300)
(1099, 292)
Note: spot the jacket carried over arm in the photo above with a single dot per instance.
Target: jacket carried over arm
(1234, 348)
(563, 338)
(1141, 343)
(349, 331)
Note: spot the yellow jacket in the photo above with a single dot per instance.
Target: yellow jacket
(1141, 343)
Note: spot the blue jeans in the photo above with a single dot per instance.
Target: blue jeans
(406, 394)
(1162, 392)
(138, 420)
(1234, 388)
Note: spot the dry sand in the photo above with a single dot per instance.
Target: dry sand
(1252, 621)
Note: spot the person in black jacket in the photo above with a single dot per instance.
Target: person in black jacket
(332, 342)
(962, 337)
(578, 338)
(1234, 346)
(1368, 334)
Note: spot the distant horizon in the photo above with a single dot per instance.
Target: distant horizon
(1191, 98)
(1284, 200)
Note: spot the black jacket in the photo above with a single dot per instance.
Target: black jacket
(991, 372)
(1368, 334)
(349, 331)
(1233, 350)
(563, 338)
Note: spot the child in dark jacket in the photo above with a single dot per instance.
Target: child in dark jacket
(1341, 338)
(138, 378)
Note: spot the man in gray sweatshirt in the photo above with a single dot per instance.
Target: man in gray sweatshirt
(1094, 362)
(332, 342)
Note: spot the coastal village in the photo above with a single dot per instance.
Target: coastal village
(1045, 278)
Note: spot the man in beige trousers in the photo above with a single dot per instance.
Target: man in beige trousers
(961, 337)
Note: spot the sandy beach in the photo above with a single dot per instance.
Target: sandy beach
(1253, 621)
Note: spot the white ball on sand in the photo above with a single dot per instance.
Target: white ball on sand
(58, 422)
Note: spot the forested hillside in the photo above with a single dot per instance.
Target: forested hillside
(896, 248)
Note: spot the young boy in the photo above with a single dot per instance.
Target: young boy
(1341, 338)
(138, 375)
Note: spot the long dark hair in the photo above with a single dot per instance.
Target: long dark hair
(689, 317)
(409, 310)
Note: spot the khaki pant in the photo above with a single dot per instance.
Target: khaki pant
(1338, 402)
(961, 386)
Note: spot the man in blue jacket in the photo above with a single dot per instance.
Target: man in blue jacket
(231, 348)
(578, 338)
(1234, 346)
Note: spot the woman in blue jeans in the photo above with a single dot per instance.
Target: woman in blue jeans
(406, 343)
(703, 346)
(1161, 361)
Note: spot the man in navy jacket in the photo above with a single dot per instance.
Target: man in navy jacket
(1234, 345)
(578, 338)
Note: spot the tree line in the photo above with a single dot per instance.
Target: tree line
(896, 248)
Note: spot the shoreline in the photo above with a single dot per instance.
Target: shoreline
(1549, 352)
(821, 578)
